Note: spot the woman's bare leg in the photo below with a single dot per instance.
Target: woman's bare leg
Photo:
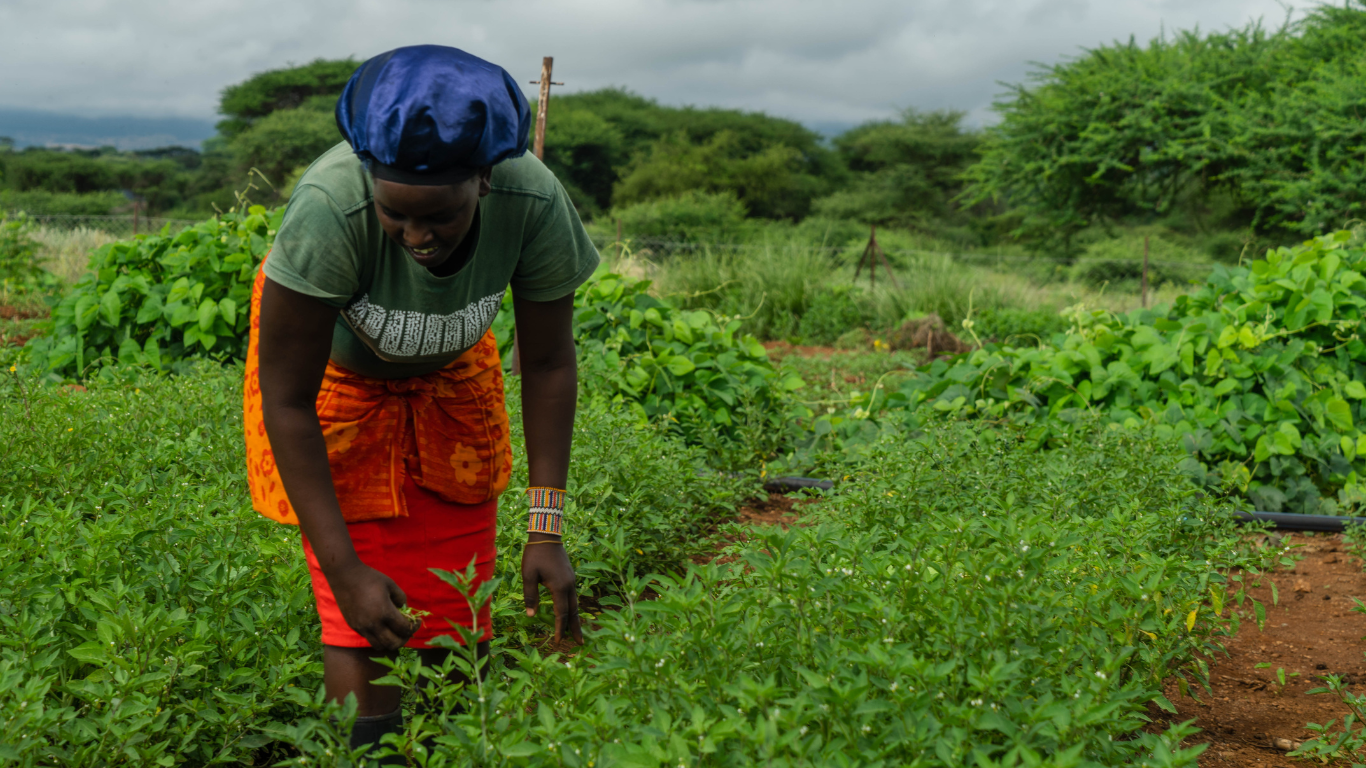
(351, 670)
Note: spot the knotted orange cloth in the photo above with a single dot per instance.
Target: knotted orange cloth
(447, 431)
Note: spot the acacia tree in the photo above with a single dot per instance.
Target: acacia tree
(1123, 129)
(1298, 155)
(1273, 119)
(905, 172)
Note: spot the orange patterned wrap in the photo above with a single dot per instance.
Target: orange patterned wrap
(446, 430)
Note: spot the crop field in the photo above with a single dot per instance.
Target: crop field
(1099, 330)
(961, 597)
(1028, 556)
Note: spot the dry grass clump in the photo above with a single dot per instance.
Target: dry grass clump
(66, 252)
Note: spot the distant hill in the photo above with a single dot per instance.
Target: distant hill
(34, 128)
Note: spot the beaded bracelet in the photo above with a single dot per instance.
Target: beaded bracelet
(547, 510)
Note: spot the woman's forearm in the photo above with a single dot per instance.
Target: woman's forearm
(550, 393)
(295, 342)
(300, 452)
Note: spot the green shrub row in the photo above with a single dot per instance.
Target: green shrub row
(149, 617)
(963, 599)
(20, 271)
(1258, 374)
(161, 300)
(692, 369)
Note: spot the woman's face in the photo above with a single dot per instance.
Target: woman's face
(429, 222)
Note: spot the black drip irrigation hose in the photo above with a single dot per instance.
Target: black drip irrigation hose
(1294, 522)
(1282, 520)
(790, 484)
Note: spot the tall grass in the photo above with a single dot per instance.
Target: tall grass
(66, 252)
(793, 289)
(771, 286)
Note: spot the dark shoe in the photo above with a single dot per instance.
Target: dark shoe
(369, 730)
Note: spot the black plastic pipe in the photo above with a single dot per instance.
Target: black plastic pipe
(1292, 522)
(790, 484)
(1284, 521)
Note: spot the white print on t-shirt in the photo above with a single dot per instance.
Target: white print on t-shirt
(399, 334)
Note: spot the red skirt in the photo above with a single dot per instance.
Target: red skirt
(434, 534)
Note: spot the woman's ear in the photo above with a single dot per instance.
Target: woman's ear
(485, 180)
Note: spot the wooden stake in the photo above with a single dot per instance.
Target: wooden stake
(863, 257)
(543, 104)
(1145, 271)
(872, 255)
(538, 148)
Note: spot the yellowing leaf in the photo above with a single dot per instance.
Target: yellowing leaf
(1190, 619)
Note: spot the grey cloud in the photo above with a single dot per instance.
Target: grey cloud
(812, 60)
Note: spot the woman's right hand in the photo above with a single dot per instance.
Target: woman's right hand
(370, 602)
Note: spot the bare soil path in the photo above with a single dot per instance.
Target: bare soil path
(1310, 632)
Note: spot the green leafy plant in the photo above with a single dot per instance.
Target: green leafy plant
(1345, 742)
(149, 617)
(1257, 374)
(20, 272)
(962, 598)
(693, 369)
(160, 300)
(1280, 676)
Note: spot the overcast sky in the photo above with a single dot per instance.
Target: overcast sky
(828, 62)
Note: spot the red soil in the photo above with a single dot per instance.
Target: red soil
(1310, 631)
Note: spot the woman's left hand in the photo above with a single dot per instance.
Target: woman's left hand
(549, 564)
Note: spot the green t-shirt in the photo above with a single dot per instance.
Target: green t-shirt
(397, 318)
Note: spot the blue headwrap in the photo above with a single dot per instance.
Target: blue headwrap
(429, 114)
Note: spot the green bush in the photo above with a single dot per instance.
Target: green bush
(38, 202)
(963, 599)
(715, 385)
(20, 272)
(1267, 119)
(160, 300)
(1017, 326)
(834, 311)
(692, 217)
(1257, 374)
(640, 497)
(149, 617)
(769, 284)
(1117, 262)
